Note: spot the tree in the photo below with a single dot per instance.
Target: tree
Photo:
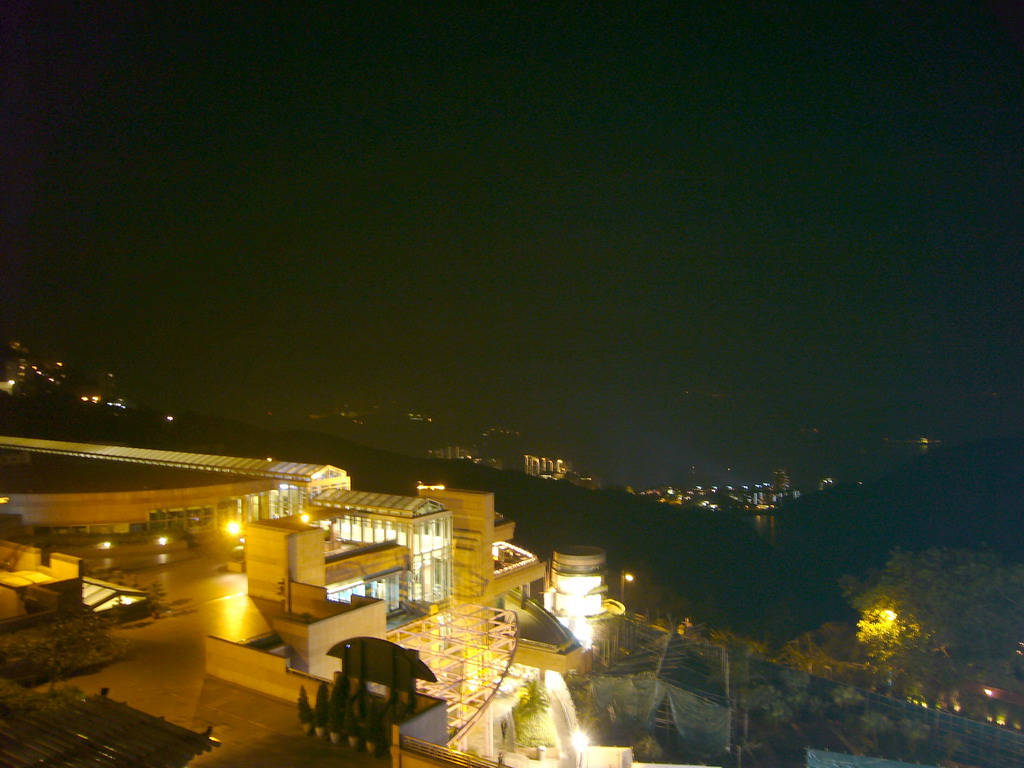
(933, 618)
(532, 717)
(322, 707)
(305, 711)
(63, 647)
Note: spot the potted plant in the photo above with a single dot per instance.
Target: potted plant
(321, 709)
(351, 723)
(305, 711)
(336, 713)
(373, 730)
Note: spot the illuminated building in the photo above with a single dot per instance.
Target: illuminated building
(254, 489)
(539, 466)
(577, 588)
(780, 481)
(436, 572)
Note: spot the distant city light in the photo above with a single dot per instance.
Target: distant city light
(170, 418)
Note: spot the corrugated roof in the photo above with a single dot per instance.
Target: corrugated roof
(269, 468)
(98, 732)
(406, 506)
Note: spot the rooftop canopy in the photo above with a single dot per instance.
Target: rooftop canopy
(286, 471)
(98, 732)
(380, 503)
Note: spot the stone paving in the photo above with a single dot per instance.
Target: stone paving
(164, 673)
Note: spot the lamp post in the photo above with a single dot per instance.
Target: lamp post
(623, 578)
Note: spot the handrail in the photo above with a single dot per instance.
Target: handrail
(446, 755)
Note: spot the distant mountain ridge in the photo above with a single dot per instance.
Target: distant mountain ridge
(966, 496)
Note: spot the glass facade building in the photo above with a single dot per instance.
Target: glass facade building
(422, 525)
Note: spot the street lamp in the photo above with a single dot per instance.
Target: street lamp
(622, 584)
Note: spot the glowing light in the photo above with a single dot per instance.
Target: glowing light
(104, 545)
(162, 541)
(889, 615)
(580, 741)
(170, 418)
(422, 487)
(269, 458)
(627, 576)
(304, 517)
(989, 692)
(233, 528)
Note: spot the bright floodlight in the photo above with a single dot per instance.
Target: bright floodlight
(233, 528)
(580, 741)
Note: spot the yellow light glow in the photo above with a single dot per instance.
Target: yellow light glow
(233, 528)
(162, 541)
(628, 576)
(5, 499)
(304, 517)
(889, 615)
(422, 487)
(580, 741)
(989, 692)
(104, 545)
(269, 458)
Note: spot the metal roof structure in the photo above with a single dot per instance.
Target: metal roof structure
(470, 649)
(288, 471)
(98, 732)
(383, 503)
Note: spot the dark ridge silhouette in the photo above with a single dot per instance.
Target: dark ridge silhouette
(966, 496)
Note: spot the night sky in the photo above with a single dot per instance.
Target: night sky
(719, 235)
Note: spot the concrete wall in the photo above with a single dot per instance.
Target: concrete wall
(63, 566)
(429, 725)
(306, 556)
(311, 641)
(473, 524)
(19, 557)
(517, 578)
(59, 509)
(362, 565)
(266, 560)
(10, 603)
(255, 670)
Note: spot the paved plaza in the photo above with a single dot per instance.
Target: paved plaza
(163, 672)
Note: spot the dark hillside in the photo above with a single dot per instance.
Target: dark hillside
(966, 496)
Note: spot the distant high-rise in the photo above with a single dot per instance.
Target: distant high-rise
(780, 481)
(539, 466)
